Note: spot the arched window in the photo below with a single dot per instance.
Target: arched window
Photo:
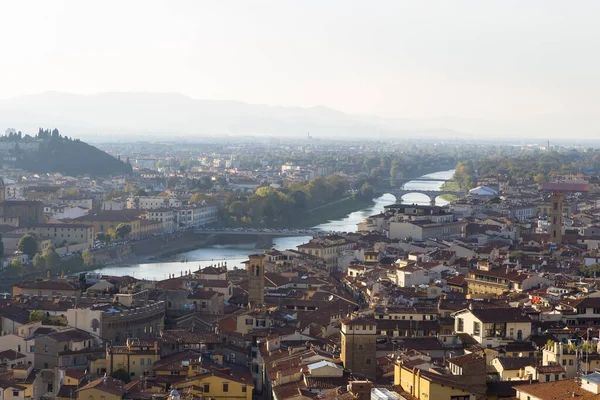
(95, 324)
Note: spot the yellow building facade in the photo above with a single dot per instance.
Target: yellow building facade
(211, 381)
(137, 357)
(426, 386)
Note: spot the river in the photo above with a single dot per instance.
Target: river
(235, 255)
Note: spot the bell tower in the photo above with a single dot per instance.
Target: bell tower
(256, 279)
(359, 345)
(556, 217)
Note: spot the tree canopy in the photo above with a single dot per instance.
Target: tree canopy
(88, 258)
(269, 205)
(28, 245)
(122, 230)
(15, 267)
(57, 153)
(51, 257)
(36, 315)
(39, 262)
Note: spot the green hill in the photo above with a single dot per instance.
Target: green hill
(50, 152)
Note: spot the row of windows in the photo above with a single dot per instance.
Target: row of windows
(62, 235)
(206, 388)
(364, 327)
(147, 361)
(424, 317)
(584, 310)
(147, 330)
(556, 377)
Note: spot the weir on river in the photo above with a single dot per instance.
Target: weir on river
(236, 254)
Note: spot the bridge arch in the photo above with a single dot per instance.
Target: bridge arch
(400, 196)
(431, 195)
(427, 195)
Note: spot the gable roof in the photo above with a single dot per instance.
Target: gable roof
(516, 363)
(108, 385)
(500, 315)
(15, 313)
(561, 389)
(11, 355)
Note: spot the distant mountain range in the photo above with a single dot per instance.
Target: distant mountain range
(171, 115)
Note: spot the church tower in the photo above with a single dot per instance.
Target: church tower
(556, 217)
(256, 279)
(359, 346)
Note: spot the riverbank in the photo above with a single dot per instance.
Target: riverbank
(334, 210)
(452, 187)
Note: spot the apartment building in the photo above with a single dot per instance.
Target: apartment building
(62, 234)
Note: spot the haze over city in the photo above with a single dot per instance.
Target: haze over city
(299, 200)
(463, 69)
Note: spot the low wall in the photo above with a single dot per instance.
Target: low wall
(72, 248)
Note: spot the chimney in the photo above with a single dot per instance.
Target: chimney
(361, 389)
(218, 359)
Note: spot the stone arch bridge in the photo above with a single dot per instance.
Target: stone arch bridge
(432, 194)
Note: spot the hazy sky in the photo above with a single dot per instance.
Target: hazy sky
(484, 59)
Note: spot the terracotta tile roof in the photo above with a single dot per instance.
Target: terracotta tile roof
(171, 284)
(75, 373)
(108, 385)
(140, 386)
(516, 363)
(188, 337)
(500, 315)
(467, 339)
(326, 382)
(551, 369)
(289, 390)
(457, 280)
(467, 359)
(359, 321)
(57, 284)
(7, 381)
(67, 392)
(175, 362)
(15, 313)
(11, 355)
(557, 390)
(121, 216)
(76, 335)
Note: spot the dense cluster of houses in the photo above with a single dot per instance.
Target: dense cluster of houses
(459, 302)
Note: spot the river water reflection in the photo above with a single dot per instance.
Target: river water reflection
(234, 255)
